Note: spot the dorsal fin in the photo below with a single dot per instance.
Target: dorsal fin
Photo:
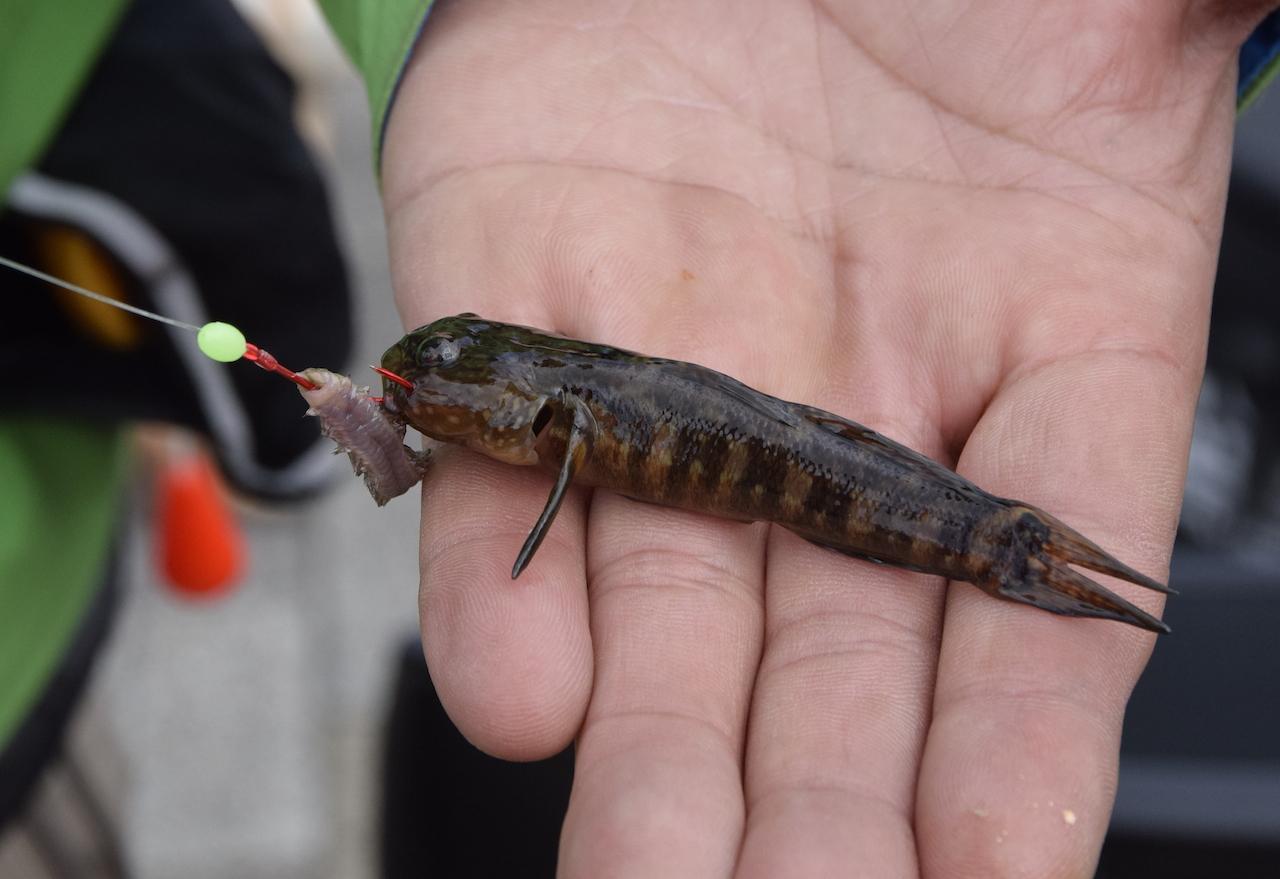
(761, 403)
(865, 436)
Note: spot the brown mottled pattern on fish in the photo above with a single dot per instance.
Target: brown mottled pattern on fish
(683, 435)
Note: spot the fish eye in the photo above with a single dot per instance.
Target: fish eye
(438, 351)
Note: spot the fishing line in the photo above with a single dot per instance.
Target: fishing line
(217, 340)
(97, 297)
(356, 421)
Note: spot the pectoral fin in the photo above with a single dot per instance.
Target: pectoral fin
(582, 428)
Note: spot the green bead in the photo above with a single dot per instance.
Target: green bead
(221, 342)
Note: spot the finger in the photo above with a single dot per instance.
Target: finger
(1019, 771)
(839, 713)
(676, 622)
(511, 660)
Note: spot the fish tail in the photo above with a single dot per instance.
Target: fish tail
(1074, 548)
(1044, 579)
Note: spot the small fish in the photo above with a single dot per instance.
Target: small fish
(683, 435)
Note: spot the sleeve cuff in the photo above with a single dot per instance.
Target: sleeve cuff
(1259, 60)
(379, 38)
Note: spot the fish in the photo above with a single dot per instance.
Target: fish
(682, 435)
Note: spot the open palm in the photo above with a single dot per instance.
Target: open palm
(987, 231)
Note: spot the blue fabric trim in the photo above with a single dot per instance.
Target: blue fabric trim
(1258, 53)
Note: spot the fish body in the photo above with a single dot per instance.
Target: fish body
(683, 435)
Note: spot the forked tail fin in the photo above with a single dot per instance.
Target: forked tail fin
(1074, 548)
(1050, 584)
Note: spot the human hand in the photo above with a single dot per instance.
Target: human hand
(988, 231)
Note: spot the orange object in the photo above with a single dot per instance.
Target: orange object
(74, 256)
(200, 545)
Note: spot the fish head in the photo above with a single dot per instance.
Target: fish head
(467, 381)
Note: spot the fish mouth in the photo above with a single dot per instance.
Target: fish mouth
(394, 360)
(396, 385)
